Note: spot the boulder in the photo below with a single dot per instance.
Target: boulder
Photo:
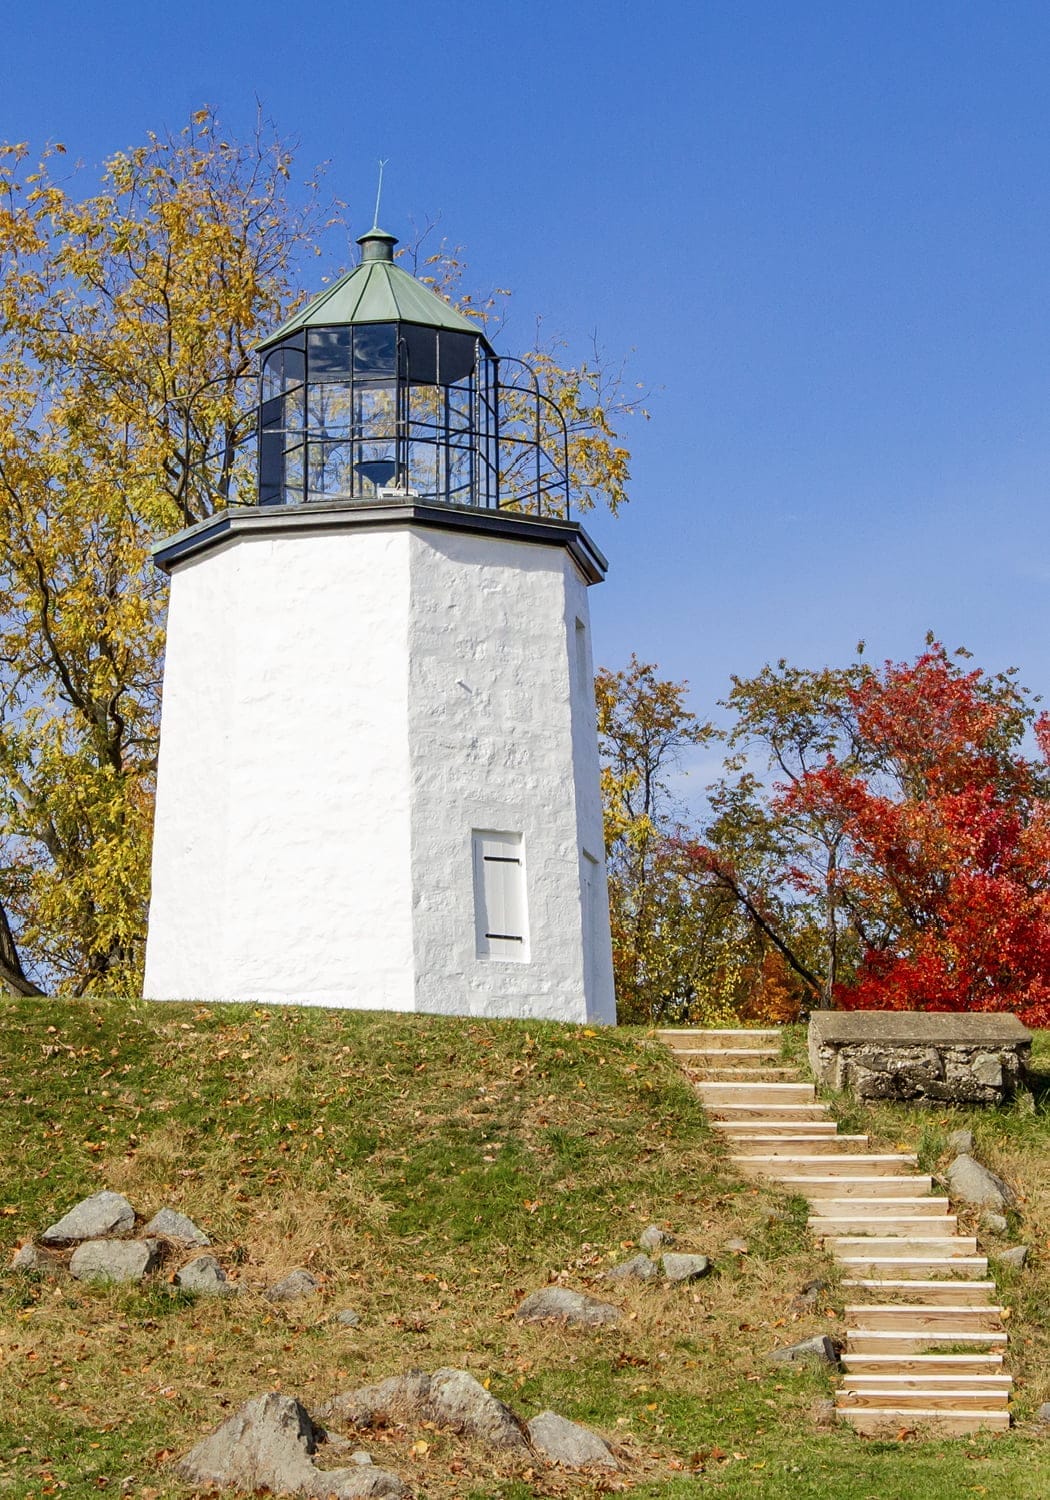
(293, 1286)
(450, 1399)
(102, 1216)
(567, 1443)
(269, 1444)
(114, 1260)
(992, 1223)
(167, 1224)
(820, 1348)
(204, 1274)
(960, 1143)
(654, 1238)
(33, 1258)
(638, 1268)
(559, 1304)
(1042, 1416)
(1015, 1257)
(972, 1183)
(685, 1267)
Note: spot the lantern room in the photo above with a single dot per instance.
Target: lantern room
(380, 389)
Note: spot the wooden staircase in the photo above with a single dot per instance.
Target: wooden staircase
(925, 1336)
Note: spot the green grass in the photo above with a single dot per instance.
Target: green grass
(431, 1171)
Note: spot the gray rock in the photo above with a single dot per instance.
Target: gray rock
(972, 1183)
(102, 1216)
(808, 1296)
(559, 1304)
(450, 1399)
(1015, 1257)
(638, 1268)
(204, 1274)
(736, 1247)
(359, 1456)
(960, 1143)
(293, 1286)
(685, 1267)
(32, 1258)
(654, 1238)
(993, 1223)
(563, 1442)
(269, 1444)
(820, 1348)
(1042, 1416)
(347, 1317)
(167, 1224)
(825, 1414)
(114, 1260)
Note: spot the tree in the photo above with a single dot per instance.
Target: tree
(901, 857)
(127, 323)
(644, 728)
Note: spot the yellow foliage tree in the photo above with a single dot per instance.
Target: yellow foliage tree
(127, 324)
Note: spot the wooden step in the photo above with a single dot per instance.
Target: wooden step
(917, 1265)
(824, 1225)
(713, 1034)
(919, 1208)
(756, 1114)
(775, 1123)
(918, 1380)
(751, 1094)
(783, 1144)
(929, 1245)
(898, 1185)
(693, 1055)
(964, 1400)
(718, 1074)
(908, 1341)
(832, 1169)
(938, 1423)
(890, 1315)
(921, 1364)
(954, 1293)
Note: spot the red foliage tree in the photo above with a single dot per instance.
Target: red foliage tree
(946, 837)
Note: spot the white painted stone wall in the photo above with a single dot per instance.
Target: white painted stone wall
(341, 711)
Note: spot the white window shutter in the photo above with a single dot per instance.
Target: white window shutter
(500, 915)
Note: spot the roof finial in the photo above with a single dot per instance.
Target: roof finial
(379, 191)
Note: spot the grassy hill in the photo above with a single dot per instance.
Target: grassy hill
(432, 1171)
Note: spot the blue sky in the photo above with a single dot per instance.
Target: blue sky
(819, 230)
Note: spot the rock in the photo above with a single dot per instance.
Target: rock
(204, 1274)
(450, 1399)
(1015, 1257)
(102, 1216)
(293, 1286)
(735, 1247)
(654, 1238)
(559, 1304)
(563, 1442)
(825, 1414)
(114, 1260)
(359, 1456)
(685, 1267)
(169, 1225)
(820, 1348)
(347, 1317)
(808, 1296)
(960, 1143)
(32, 1258)
(269, 1444)
(1042, 1416)
(638, 1268)
(972, 1183)
(994, 1223)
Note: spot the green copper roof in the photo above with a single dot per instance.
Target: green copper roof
(376, 291)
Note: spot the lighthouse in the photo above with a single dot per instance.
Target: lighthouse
(378, 782)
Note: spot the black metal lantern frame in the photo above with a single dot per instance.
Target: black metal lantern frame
(377, 410)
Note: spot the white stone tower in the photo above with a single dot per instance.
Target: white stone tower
(378, 782)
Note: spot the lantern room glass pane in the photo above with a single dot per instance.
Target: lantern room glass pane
(375, 352)
(458, 356)
(420, 354)
(329, 353)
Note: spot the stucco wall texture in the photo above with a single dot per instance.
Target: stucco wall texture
(341, 711)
